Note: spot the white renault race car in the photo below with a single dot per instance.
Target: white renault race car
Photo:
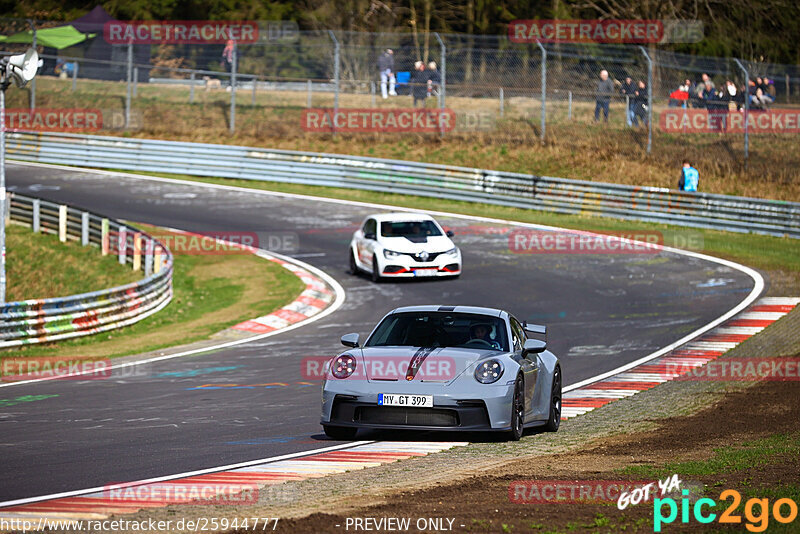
(403, 245)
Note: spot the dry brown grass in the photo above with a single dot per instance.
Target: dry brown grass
(575, 148)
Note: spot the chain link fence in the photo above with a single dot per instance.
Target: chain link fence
(491, 84)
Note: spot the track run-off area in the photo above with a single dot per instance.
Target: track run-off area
(215, 408)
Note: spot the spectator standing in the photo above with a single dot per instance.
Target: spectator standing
(605, 88)
(227, 56)
(386, 69)
(689, 177)
(434, 79)
(628, 89)
(640, 104)
(419, 84)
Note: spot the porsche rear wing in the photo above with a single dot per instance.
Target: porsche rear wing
(535, 329)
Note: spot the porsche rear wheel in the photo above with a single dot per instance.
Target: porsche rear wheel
(554, 421)
(341, 433)
(517, 411)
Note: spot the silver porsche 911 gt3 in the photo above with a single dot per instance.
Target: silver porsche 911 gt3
(444, 368)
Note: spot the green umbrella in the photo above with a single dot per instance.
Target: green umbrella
(60, 37)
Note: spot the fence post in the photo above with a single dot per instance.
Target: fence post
(122, 244)
(649, 99)
(308, 101)
(233, 88)
(104, 237)
(191, 88)
(255, 84)
(502, 104)
(372, 92)
(569, 109)
(75, 66)
(746, 111)
(37, 216)
(135, 81)
(628, 122)
(84, 228)
(787, 88)
(443, 86)
(137, 251)
(62, 223)
(33, 82)
(128, 89)
(544, 89)
(335, 77)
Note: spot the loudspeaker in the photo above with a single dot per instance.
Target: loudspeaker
(23, 67)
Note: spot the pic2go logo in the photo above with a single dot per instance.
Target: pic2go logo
(756, 522)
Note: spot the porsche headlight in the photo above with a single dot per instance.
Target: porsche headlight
(489, 371)
(343, 366)
(391, 254)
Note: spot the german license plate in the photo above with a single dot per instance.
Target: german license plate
(425, 272)
(414, 401)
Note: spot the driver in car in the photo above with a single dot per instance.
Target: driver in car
(481, 331)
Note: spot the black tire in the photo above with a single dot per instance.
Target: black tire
(341, 433)
(554, 421)
(376, 275)
(353, 267)
(517, 411)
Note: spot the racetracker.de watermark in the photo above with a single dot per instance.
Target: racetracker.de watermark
(54, 368)
(70, 119)
(367, 120)
(525, 241)
(178, 492)
(181, 32)
(735, 370)
(725, 121)
(627, 31)
(205, 243)
(439, 368)
(569, 491)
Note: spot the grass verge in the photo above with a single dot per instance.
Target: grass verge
(211, 293)
(40, 266)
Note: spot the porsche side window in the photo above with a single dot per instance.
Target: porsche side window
(517, 334)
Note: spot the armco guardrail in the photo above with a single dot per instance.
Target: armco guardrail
(560, 195)
(53, 319)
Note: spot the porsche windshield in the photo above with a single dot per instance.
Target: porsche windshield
(410, 229)
(440, 329)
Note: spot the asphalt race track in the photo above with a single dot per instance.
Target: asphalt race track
(601, 310)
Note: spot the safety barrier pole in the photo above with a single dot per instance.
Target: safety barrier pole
(84, 228)
(233, 89)
(104, 237)
(62, 223)
(137, 251)
(544, 90)
(122, 244)
(37, 215)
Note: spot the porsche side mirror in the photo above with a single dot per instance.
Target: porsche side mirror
(350, 340)
(532, 346)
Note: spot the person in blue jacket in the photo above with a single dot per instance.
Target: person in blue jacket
(689, 177)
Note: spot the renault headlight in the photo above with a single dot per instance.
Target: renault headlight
(452, 252)
(391, 254)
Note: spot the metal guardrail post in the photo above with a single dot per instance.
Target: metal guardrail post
(137, 251)
(157, 260)
(544, 90)
(336, 59)
(84, 228)
(746, 110)
(62, 223)
(649, 99)
(233, 88)
(36, 225)
(191, 88)
(122, 244)
(128, 87)
(104, 237)
(148, 257)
